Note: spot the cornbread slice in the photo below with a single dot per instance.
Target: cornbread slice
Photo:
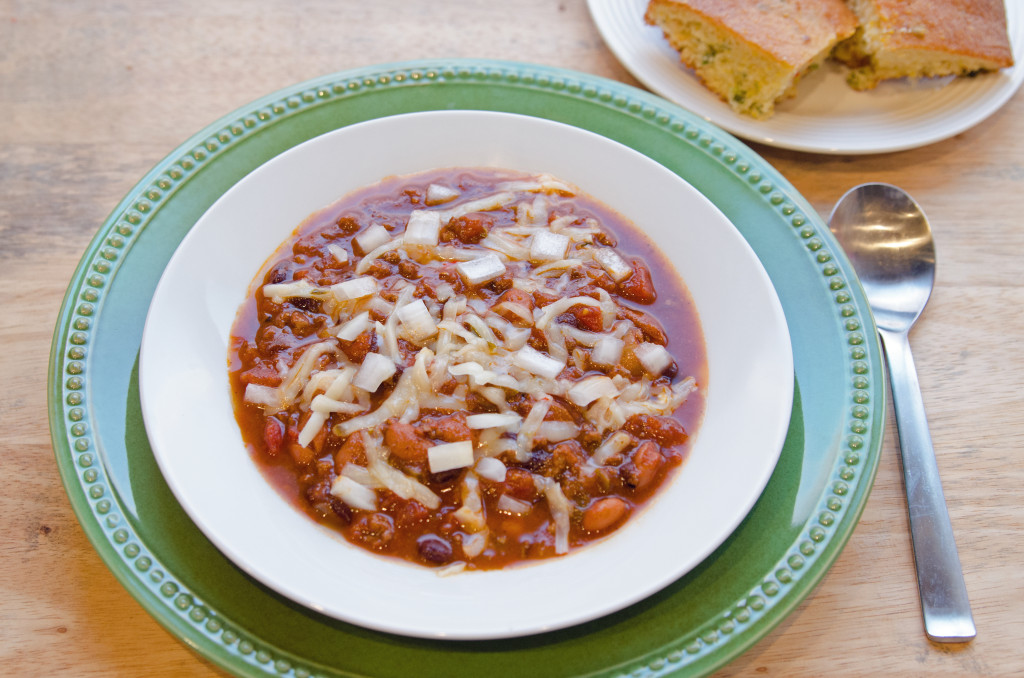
(924, 38)
(752, 54)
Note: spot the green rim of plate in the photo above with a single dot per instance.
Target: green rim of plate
(711, 615)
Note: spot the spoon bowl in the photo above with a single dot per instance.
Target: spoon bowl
(889, 242)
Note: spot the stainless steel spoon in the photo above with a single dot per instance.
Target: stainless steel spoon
(887, 238)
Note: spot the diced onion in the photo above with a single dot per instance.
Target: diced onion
(374, 371)
(491, 469)
(607, 351)
(546, 246)
(367, 261)
(395, 404)
(266, 396)
(325, 405)
(423, 228)
(516, 337)
(515, 309)
(507, 504)
(654, 358)
(590, 389)
(444, 291)
(338, 252)
(356, 288)
(583, 337)
(390, 477)
(471, 513)
(484, 204)
(417, 323)
(480, 270)
(535, 362)
(351, 330)
(437, 194)
(474, 544)
(493, 420)
(560, 510)
(613, 264)
(499, 244)
(372, 238)
(612, 445)
(524, 440)
(557, 431)
(557, 308)
(448, 456)
(355, 495)
(361, 475)
(278, 292)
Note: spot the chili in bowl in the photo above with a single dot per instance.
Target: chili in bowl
(451, 357)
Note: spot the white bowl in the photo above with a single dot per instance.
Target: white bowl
(187, 407)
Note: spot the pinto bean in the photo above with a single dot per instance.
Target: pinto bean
(351, 451)
(404, 441)
(519, 484)
(303, 456)
(375, 531)
(643, 467)
(604, 513)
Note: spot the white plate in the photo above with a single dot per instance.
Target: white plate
(187, 407)
(826, 116)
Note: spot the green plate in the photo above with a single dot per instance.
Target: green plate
(743, 590)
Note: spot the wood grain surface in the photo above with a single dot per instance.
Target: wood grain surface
(93, 94)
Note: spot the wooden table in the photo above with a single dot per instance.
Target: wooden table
(93, 94)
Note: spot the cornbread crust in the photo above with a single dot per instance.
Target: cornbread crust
(922, 38)
(752, 54)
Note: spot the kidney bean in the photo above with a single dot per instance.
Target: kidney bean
(604, 513)
(273, 435)
(434, 549)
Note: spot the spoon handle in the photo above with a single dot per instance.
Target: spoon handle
(944, 603)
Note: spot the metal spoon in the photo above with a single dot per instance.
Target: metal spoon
(887, 238)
